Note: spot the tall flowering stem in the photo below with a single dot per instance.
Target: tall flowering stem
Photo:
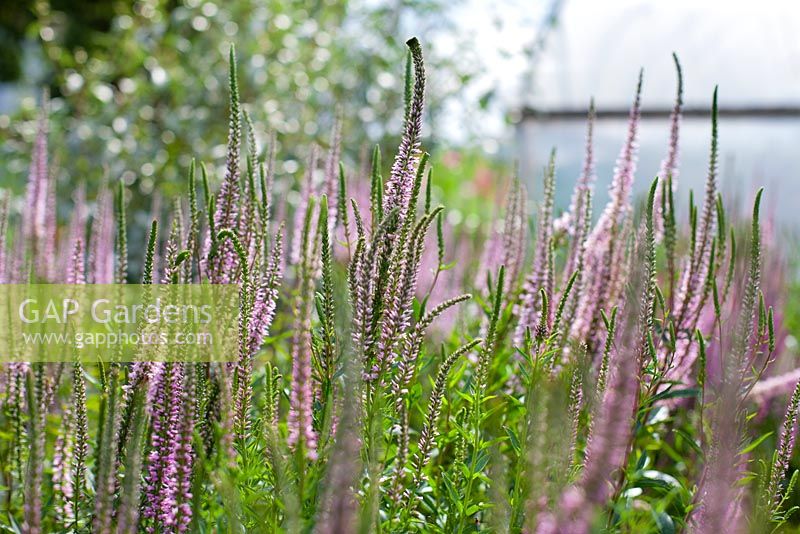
(302, 436)
(226, 206)
(480, 384)
(772, 495)
(39, 216)
(429, 430)
(397, 193)
(542, 276)
(718, 498)
(668, 173)
(604, 245)
(128, 513)
(609, 442)
(34, 477)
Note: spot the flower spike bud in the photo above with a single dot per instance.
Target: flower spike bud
(228, 196)
(401, 179)
(669, 165)
(122, 241)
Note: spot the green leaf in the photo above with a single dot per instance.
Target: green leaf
(755, 443)
(689, 440)
(480, 465)
(664, 523)
(451, 491)
(475, 508)
(512, 437)
(675, 393)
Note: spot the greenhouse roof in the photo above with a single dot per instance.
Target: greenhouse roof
(751, 51)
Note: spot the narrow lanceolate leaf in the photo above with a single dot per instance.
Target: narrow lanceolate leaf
(731, 264)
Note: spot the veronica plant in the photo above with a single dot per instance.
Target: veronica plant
(617, 379)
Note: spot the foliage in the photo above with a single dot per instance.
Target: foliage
(127, 103)
(609, 385)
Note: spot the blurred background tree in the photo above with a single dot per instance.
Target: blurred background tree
(139, 88)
